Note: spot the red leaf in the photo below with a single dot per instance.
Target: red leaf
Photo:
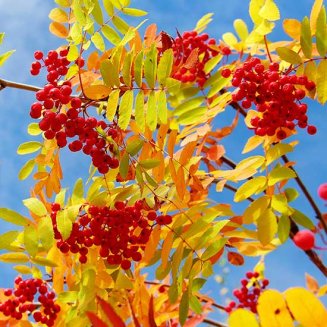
(192, 59)
(152, 322)
(110, 313)
(235, 258)
(95, 320)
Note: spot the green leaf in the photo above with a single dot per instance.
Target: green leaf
(267, 226)
(213, 249)
(184, 307)
(277, 151)
(31, 240)
(255, 209)
(45, 232)
(97, 12)
(195, 305)
(306, 38)
(29, 147)
(218, 85)
(197, 284)
(134, 147)
(252, 186)
(212, 63)
(14, 257)
(35, 206)
(322, 81)
(27, 169)
(138, 69)
(279, 174)
(126, 71)
(120, 24)
(124, 165)
(13, 217)
(98, 42)
(110, 34)
(7, 238)
(139, 111)
(112, 104)
(291, 194)
(64, 223)
(289, 55)
(284, 227)
(134, 12)
(125, 109)
(151, 112)
(303, 220)
(189, 105)
(165, 66)
(150, 67)
(43, 262)
(321, 32)
(128, 36)
(149, 163)
(78, 192)
(106, 68)
(5, 56)
(193, 116)
(162, 106)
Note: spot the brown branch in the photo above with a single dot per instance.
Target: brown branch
(213, 323)
(310, 253)
(307, 195)
(26, 87)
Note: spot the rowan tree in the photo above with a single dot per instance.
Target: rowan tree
(134, 242)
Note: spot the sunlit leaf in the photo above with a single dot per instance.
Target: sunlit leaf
(284, 226)
(97, 92)
(241, 29)
(292, 28)
(252, 186)
(58, 29)
(267, 226)
(203, 22)
(31, 240)
(152, 112)
(139, 111)
(5, 56)
(97, 12)
(280, 174)
(64, 223)
(322, 81)
(14, 257)
(303, 220)
(112, 104)
(43, 262)
(134, 147)
(29, 147)
(35, 206)
(269, 11)
(289, 55)
(213, 248)
(165, 66)
(255, 209)
(321, 32)
(45, 232)
(314, 14)
(113, 317)
(110, 34)
(7, 238)
(27, 169)
(242, 317)
(306, 38)
(98, 41)
(134, 12)
(58, 15)
(150, 66)
(305, 307)
(125, 109)
(184, 307)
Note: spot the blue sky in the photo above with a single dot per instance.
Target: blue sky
(26, 26)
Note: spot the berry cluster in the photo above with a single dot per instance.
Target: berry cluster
(304, 239)
(21, 300)
(276, 96)
(89, 133)
(249, 293)
(120, 233)
(184, 45)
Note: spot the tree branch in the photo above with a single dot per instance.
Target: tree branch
(213, 323)
(20, 86)
(307, 195)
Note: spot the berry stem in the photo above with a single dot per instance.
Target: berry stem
(266, 44)
(307, 195)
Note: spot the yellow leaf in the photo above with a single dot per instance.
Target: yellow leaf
(270, 11)
(242, 317)
(292, 28)
(267, 226)
(254, 8)
(252, 143)
(241, 29)
(305, 307)
(322, 81)
(255, 209)
(273, 311)
(314, 14)
(253, 186)
(203, 22)
(97, 92)
(58, 15)
(166, 247)
(58, 29)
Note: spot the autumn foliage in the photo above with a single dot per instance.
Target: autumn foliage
(134, 241)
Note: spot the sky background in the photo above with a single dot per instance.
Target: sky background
(26, 26)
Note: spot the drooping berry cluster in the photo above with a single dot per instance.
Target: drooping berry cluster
(120, 233)
(247, 296)
(22, 300)
(88, 134)
(275, 95)
(184, 45)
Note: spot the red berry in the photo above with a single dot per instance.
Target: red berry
(304, 239)
(322, 191)
(311, 130)
(226, 72)
(125, 264)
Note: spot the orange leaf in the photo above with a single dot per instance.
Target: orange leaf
(150, 35)
(235, 258)
(97, 92)
(311, 283)
(95, 320)
(58, 30)
(171, 142)
(187, 153)
(192, 59)
(93, 61)
(217, 256)
(215, 152)
(110, 313)
(152, 322)
(166, 247)
(180, 183)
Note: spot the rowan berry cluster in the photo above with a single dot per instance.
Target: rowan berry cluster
(90, 134)
(249, 293)
(21, 300)
(184, 45)
(120, 233)
(276, 96)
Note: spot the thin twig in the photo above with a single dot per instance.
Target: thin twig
(307, 195)
(213, 323)
(21, 86)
